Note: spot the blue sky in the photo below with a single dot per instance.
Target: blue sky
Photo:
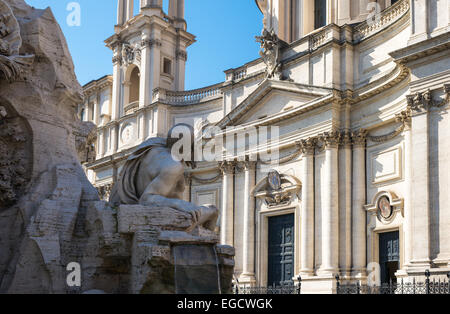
(225, 31)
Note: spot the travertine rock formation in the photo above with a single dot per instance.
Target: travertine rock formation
(50, 215)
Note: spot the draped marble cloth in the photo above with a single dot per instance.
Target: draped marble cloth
(125, 190)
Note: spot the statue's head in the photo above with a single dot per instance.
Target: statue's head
(181, 141)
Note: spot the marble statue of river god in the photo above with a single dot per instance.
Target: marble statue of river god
(152, 177)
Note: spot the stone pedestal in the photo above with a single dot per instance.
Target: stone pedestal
(156, 233)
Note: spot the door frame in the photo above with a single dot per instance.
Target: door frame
(375, 251)
(262, 240)
(399, 249)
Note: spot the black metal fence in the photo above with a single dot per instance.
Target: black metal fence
(428, 287)
(434, 286)
(289, 288)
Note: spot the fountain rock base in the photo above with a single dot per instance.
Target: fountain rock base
(161, 256)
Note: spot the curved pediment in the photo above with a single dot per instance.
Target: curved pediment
(272, 97)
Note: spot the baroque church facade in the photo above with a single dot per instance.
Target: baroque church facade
(359, 91)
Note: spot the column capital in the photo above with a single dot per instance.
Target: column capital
(330, 139)
(117, 59)
(419, 102)
(346, 139)
(182, 55)
(227, 167)
(308, 146)
(149, 43)
(359, 138)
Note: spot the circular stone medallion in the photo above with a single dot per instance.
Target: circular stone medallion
(385, 208)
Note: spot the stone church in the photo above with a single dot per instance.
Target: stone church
(359, 91)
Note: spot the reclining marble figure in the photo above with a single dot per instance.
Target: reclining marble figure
(152, 177)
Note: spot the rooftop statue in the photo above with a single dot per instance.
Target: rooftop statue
(270, 53)
(152, 177)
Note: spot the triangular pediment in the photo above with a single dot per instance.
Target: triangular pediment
(271, 98)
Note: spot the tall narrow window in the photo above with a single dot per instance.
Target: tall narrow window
(91, 112)
(167, 66)
(320, 13)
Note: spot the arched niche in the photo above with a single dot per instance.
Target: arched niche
(131, 88)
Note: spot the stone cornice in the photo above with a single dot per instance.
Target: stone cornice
(264, 89)
(96, 85)
(422, 49)
(395, 77)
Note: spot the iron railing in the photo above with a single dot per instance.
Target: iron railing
(399, 287)
(414, 287)
(288, 288)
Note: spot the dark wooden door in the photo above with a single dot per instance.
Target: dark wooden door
(281, 250)
(389, 256)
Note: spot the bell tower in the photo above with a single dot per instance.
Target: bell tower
(149, 52)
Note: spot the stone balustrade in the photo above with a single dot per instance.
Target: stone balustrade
(188, 97)
(131, 107)
(236, 74)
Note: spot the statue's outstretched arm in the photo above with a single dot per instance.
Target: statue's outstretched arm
(161, 188)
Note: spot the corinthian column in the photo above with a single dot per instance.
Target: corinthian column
(227, 215)
(248, 262)
(359, 221)
(420, 195)
(405, 118)
(117, 81)
(307, 211)
(145, 70)
(330, 209)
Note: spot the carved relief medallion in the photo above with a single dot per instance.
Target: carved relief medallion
(274, 180)
(126, 134)
(385, 208)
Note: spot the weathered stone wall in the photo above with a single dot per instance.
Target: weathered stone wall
(50, 190)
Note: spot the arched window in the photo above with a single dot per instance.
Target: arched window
(135, 85)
